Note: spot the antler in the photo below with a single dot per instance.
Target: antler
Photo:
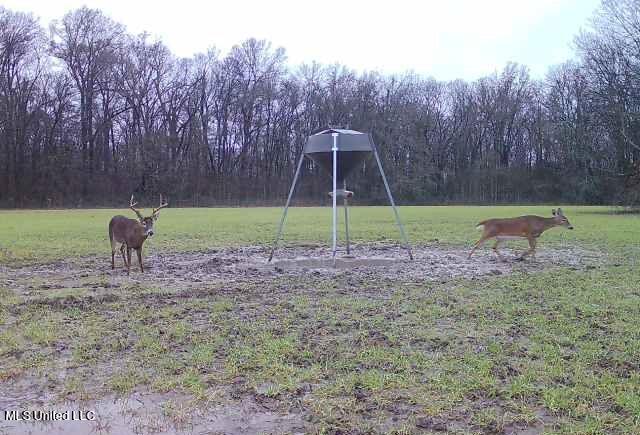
(132, 206)
(162, 205)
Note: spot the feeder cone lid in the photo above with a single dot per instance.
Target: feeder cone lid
(353, 148)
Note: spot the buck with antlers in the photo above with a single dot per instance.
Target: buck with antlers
(132, 233)
(523, 227)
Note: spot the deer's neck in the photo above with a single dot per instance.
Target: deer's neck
(548, 223)
(141, 232)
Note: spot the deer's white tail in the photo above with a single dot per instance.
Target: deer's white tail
(480, 225)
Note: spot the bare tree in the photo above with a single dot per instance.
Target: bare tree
(87, 42)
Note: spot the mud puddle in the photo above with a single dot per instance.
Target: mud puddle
(142, 413)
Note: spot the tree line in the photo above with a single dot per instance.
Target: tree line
(90, 114)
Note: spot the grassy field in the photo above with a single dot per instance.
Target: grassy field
(555, 350)
(38, 236)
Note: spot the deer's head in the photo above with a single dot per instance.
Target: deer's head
(560, 219)
(147, 222)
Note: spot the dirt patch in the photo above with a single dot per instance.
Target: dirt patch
(250, 264)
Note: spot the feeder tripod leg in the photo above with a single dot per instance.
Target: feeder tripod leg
(393, 204)
(286, 207)
(346, 218)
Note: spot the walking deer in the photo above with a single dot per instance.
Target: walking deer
(523, 227)
(132, 233)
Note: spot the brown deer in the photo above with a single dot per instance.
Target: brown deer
(523, 227)
(132, 233)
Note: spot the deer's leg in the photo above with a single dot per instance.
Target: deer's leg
(139, 252)
(532, 247)
(479, 243)
(124, 259)
(128, 260)
(113, 252)
(113, 258)
(531, 250)
(495, 249)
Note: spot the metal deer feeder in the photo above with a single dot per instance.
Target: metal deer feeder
(339, 152)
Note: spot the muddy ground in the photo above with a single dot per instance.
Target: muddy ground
(228, 265)
(146, 412)
(152, 413)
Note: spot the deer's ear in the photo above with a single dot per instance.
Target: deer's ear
(553, 211)
(560, 213)
(156, 216)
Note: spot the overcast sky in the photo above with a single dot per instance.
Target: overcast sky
(446, 39)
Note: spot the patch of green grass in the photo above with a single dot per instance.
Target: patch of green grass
(180, 331)
(266, 358)
(9, 342)
(41, 332)
(28, 336)
(62, 293)
(149, 346)
(202, 355)
(8, 298)
(488, 420)
(192, 381)
(125, 380)
(74, 388)
(35, 361)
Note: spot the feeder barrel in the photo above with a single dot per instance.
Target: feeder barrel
(353, 148)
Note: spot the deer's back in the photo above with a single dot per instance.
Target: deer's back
(519, 226)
